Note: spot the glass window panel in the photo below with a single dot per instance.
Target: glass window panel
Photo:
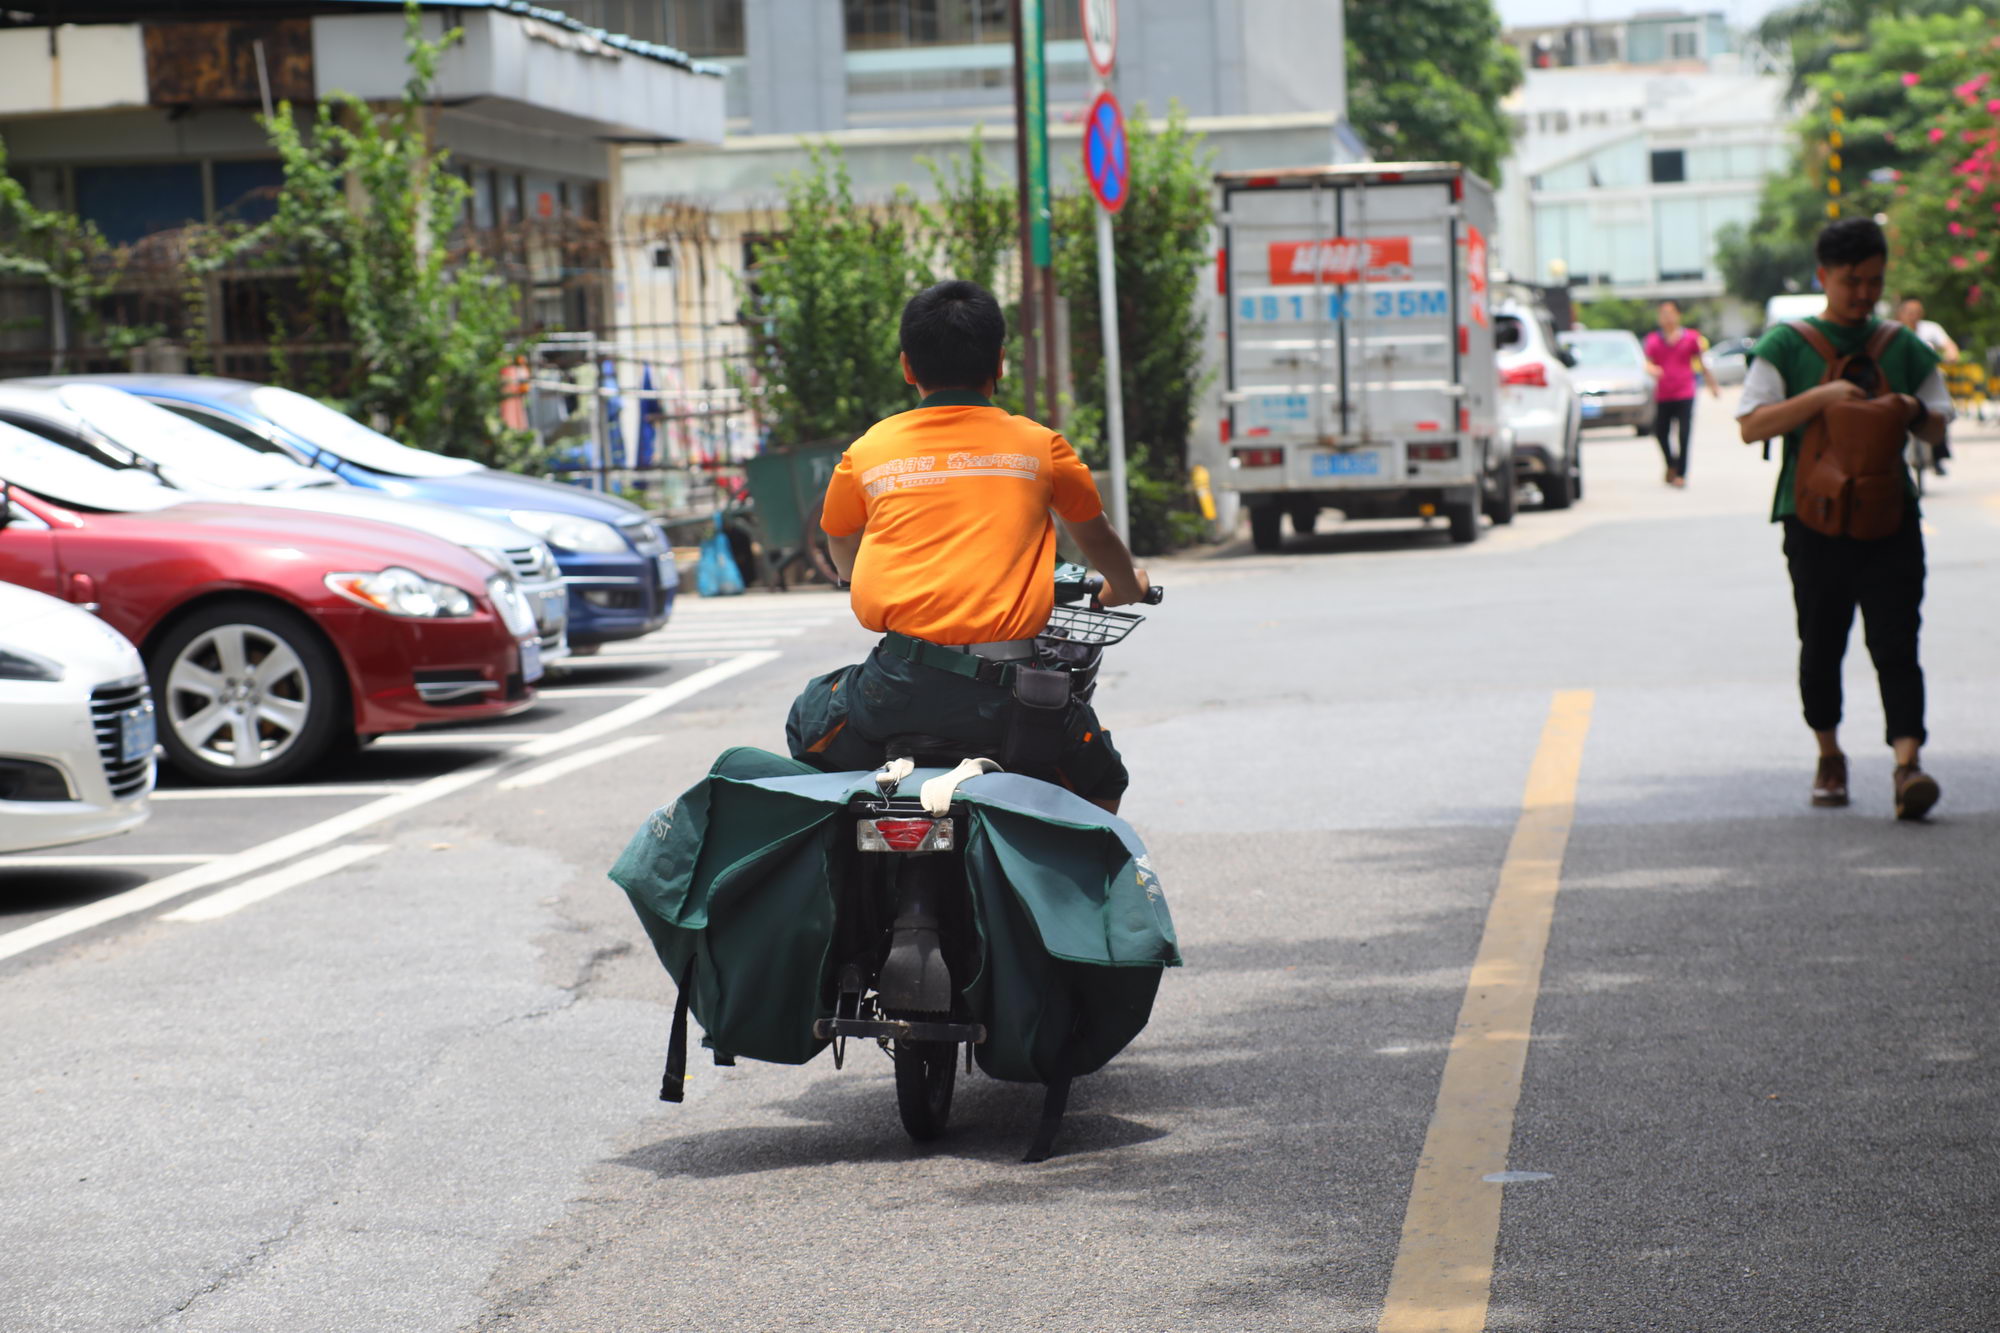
(1669, 166)
(1620, 165)
(248, 191)
(1682, 240)
(130, 202)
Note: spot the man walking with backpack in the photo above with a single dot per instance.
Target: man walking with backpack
(1842, 388)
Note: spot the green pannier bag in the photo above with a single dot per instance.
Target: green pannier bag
(733, 883)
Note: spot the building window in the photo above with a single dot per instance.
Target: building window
(1683, 44)
(248, 191)
(879, 24)
(1669, 166)
(131, 202)
(705, 27)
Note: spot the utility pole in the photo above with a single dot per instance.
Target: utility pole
(1029, 366)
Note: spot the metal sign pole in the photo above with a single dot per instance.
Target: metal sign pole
(1028, 367)
(1114, 380)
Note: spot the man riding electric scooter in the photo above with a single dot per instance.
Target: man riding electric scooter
(941, 517)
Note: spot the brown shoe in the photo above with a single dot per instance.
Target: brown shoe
(1830, 781)
(1916, 792)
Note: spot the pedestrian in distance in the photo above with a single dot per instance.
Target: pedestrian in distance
(1787, 392)
(1673, 352)
(1911, 315)
(943, 518)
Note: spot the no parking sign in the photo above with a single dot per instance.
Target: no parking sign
(1105, 159)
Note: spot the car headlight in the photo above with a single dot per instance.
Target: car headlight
(512, 603)
(20, 664)
(402, 592)
(570, 532)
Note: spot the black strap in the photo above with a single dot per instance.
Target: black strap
(969, 665)
(1054, 1102)
(674, 1081)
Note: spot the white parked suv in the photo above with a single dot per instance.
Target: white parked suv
(76, 725)
(1538, 403)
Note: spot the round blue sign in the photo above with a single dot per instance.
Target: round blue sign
(1105, 160)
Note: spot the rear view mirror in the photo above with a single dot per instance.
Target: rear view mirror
(6, 503)
(1567, 357)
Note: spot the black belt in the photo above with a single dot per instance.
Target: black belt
(957, 661)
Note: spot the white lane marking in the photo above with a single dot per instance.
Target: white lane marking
(640, 709)
(557, 768)
(260, 793)
(408, 738)
(597, 692)
(349, 822)
(121, 859)
(747, 639)
(269, 886)
(630, 659)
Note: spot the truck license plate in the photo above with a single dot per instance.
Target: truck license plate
(1593, 409)
(137, 733)
(1347, 465)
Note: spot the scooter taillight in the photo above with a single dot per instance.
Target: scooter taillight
(903, 835)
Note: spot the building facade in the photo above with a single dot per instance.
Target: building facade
(142, 126)
(1625, 171)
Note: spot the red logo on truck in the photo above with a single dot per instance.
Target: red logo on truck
(1339, 260)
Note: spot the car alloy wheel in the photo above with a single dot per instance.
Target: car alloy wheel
(238, 696)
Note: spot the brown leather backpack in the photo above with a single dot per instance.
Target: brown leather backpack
(1849, 481)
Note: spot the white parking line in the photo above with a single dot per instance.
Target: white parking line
(640, 709)
(349, 822)
(568, 764)
(628, 659)
(122, 859)
(259, 793)
(762, 638)
(269, 886)
(597, 691)
(404, 739)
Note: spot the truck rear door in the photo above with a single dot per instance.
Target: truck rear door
(1343, 311)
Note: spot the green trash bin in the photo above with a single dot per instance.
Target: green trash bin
(787, 485)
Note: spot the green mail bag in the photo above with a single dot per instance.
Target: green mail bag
(734, 879)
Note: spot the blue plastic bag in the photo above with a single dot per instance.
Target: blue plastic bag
(717, 575)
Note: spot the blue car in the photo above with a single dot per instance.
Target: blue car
(620, 572)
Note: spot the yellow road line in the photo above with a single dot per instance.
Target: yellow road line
(1444, 1267)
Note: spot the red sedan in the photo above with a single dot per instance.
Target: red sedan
(269, 636)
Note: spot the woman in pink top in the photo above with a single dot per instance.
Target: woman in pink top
(1672, 353)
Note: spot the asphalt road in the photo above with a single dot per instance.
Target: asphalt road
(382, 1055)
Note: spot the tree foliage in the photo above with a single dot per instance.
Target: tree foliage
(824, 301)
(1913, 131)
(1425, 79)
(71, 256)
(366, 220)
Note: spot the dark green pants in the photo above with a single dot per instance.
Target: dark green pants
(843, 721)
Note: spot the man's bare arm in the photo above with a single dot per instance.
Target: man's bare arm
(1783, 418)
(1106, 552)
(1931, 429)
(844, 549)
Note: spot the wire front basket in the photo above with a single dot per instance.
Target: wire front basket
(1081, 624)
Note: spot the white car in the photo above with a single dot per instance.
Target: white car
(76, 725)
(122, 430)
(1539, 403)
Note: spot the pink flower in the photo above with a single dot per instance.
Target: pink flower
(1956, 229)
(1969, 88)
(1911, 80)
(1937, 134)
(1972, 294)
(1993, 104)
(1958, 261)
(1952, 203)
(1983, 256)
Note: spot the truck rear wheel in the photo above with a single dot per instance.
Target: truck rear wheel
(1266, 532)
(1464, 518)
(1304, 519)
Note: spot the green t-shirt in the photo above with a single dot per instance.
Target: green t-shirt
(1906, 362)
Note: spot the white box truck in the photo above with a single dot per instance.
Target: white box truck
(1360, 374)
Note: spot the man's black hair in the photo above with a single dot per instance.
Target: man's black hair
(953, 334)
(1668, 300)
(1850, 241)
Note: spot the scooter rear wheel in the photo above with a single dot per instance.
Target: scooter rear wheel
(926, 1073)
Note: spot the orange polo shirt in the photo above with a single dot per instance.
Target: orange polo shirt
(954, 496)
